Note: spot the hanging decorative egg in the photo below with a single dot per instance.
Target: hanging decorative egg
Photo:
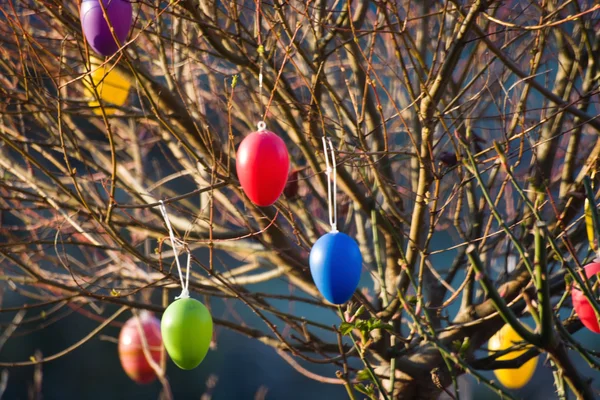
(97, 30)
(187, 328)
(262, 165)
(517, 377)
(112, 87)
(131, 350)
(335, 265)
(582, 306)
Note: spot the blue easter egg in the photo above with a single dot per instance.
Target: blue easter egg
(335, 264)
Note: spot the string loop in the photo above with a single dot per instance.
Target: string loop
(331, 184)
(260, 81)
(177, 246)
(261, 53)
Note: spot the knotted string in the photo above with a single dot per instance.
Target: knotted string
(331, 194)
(177, 245)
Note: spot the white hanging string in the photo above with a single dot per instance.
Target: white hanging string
(261, 124)
(178, 245)
(331, 195)
(261, 51)
(260, 80)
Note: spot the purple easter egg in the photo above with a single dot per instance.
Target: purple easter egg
(96, 28)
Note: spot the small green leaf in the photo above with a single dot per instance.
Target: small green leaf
(368, 390)
(465, 346)
(362, 325)
(376, 324)
(360, 310)
(373, 324)
(346, 328)
(363, 375)
(361, 388)
(234, 81)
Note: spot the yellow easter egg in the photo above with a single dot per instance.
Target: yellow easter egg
(511, 378)
(112, 87)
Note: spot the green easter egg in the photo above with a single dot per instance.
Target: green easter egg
(186, 328)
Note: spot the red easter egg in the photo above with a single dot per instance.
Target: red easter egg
(131, 350)
(582, 306)
(262, 165)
